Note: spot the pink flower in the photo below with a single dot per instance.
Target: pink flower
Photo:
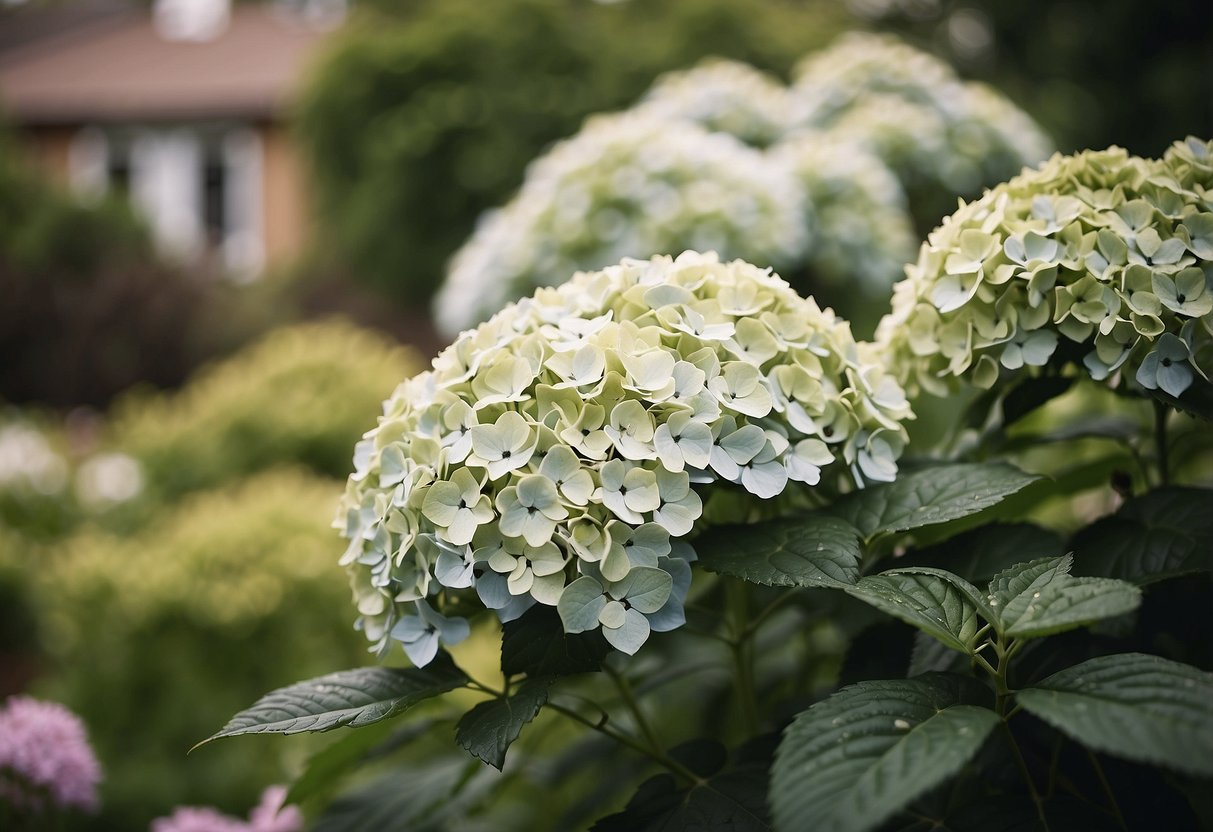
(269, 816)
(44, 753)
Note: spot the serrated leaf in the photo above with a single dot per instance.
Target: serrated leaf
(1041, 597)
(733, 801)
(816, 550)
(488, 730)
(849, 763)
(1161, 534)
(929, 496)
(1132, 705)
(979, 554)
(537, 645)
(924, 599)
(351, 697)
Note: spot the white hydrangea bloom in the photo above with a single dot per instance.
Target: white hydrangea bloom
(558, 453)
(941, 135)
(863, 227)
(725, 97)
(627, 185)
(1102, 258)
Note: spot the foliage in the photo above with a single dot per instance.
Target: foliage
(646, 186)
(216, 599)
(549, 456)
(1101, 258)
(301, 395)
(426, 114)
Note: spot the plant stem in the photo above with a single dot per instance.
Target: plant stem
(1161, 412)
(656, 755)
(1022, 765)
(629, 701)
(743, 660)
(767, 611)
(1107, 789)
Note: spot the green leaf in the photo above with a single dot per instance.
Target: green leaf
(735, 801)
(939, 606)
(1030, 394)
(326, 768)
(427, 798)
(1041, 597)
(1132, 705)
(815, 550)
(488, 730)
(979, 554)
(932, 495)
(351, 697)
(537, 645)
(849, 763)
(1161, 534)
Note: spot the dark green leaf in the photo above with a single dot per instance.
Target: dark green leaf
(816, 550)
(1161, 534)
(978, 554)
(420, 799)
(488, 730)
(350, 697)
(929, 496)
(326, 768)
(734, 801)
(1041, 597)
(930, 656)
(537, 645)
(1132, 705)
(1030, 394)
(924, 598)
(849, 763)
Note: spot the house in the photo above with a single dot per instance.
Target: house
(181, 106)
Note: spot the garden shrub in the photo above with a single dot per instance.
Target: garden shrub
(156, 635)
(999, 672)
(300, 395)
(628, 184)
(424, 115)
(945, 138)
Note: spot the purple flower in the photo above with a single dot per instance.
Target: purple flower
(269, 816)
(44, 754)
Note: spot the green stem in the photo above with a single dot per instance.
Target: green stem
(629, 701)
(736, 594)
(656, 755)
(767, 611)
(1161, 412)
(1022, 765)
(1107, 789)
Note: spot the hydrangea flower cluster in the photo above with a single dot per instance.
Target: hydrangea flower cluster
(559, 453)
(46, 762)
(863, 227)
(938, 132)
(270, 815)
(1106, 250)
(725, 97)
(627, 185)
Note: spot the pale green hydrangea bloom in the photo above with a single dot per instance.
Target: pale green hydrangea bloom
(725, 97)
(627, 185)
(1109, 253)
(858, 209)
(941, 135)
(562, 452)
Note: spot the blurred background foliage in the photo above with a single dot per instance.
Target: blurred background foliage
(165, 555)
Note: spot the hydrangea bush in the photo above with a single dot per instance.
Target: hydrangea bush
(724, 97)
(559, 453)
(627, 185)
(944, 137)
(1104, 251)
(563, 463)
(862, 227)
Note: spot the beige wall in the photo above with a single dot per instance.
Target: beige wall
(285, 212)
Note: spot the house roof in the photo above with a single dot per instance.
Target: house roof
(120, 70)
